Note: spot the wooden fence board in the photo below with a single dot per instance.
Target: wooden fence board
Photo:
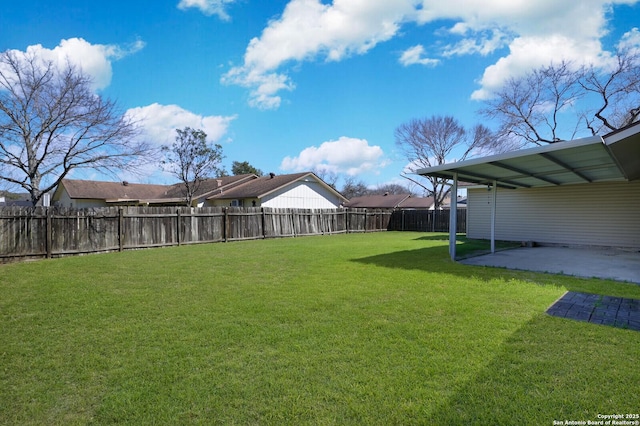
(54, 232)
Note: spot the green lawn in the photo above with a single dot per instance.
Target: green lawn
(373, 329)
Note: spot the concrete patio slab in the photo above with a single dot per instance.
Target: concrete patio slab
(605, 263)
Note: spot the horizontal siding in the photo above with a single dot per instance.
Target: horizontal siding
(302, 195)
(599, 214)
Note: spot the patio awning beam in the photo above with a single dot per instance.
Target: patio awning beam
(524, 172)
(466, 176)
(565, 166)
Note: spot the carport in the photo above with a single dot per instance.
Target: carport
(612, 158)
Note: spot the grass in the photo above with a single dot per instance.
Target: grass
(351, 329)
(466, 247)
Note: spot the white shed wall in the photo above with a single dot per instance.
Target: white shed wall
(302, 195)
(598, 214)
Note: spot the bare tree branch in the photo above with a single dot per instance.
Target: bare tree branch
(51, 123)
(559, 101)
(432, 141)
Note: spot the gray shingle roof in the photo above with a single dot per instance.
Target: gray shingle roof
(265, 185)
(390, 201)
(100, 190)
(113, 190)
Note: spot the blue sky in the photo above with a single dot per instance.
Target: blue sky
(307, 84)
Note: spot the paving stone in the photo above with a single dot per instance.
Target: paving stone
(598, 309)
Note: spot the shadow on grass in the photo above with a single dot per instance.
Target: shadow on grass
(549, 369)
(435, 259)
(440, 237)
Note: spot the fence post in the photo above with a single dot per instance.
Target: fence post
(120, 229)
(225, 225)
(293, 223)
(264, 221)
(366, 219)
(178, 225)
(49, 233)
(347, 219)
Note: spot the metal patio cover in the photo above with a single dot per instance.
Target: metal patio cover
(614, 157)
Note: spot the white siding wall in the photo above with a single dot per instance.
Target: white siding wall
(599, 214)
(302, 195)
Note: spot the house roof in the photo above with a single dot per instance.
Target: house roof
(211, 186)
(390, 201)
(417, 203)
(114, 192)
(265, 185)
(386, 201)
(614, 157)
(99, 190)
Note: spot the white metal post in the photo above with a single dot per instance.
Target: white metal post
(453, 217)
(494, 198)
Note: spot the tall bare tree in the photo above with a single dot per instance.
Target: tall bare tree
(192, 160)
(435, 140)
(52, 122)
(560, 101)
(616, 90)
(354, 188)
(529, 107)
(329, 177)
(391, 188)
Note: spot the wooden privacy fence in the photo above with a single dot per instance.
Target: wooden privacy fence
(53, 232)
(427, 220)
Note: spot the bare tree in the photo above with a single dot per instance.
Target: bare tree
(560, 101)
(192, 160)
(617, 92)
(391, 188)
(327, 176)
(529, 108)
(435, 140)
(51, 122)
(354, 188)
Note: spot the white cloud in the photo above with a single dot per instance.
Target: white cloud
(414, 55)
(630, 40)
(93, 59)
(159, 123)
(536, 33)
(208, 7)
(531, 52)
(483, 43)
(310, 30)
(346, 155)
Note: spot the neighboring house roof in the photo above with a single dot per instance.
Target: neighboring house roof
(228, 187)
(390, 201)
(89, 189)
(265, 185)
(417, 203)
(386, 201)
(211, 186)
(119, 192)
